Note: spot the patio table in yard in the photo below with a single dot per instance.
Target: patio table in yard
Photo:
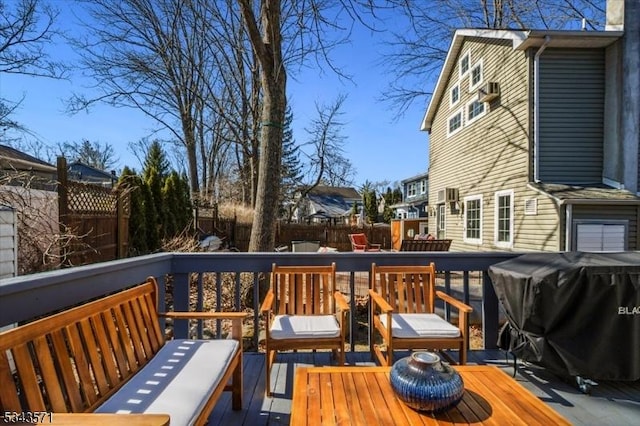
(363, 396)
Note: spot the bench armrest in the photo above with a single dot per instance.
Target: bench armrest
(235, 317)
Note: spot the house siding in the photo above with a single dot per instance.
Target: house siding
(630, 214)
(572, 98)
(492, 153)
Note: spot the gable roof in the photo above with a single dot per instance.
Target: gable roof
(332, 201)
(335, 191)
(86, 172)
(521, 40)
(12, 158)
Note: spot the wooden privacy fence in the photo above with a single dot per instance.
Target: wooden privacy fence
(337, 236)
(94, 221)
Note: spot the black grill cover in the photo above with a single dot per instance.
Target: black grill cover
(577, 314)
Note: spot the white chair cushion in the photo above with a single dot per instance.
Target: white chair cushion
(407, 326)
(304, 326)
(177, 381)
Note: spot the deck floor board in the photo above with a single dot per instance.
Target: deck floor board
(610, 403)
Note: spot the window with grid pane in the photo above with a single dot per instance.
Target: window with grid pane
(473, 219)
(504, 218)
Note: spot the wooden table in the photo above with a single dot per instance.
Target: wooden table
(363, 396)
(104, 419)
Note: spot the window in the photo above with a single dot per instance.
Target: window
(476, 76)
(442, 224)
(464, 64)
(411, 190)
(475, 110)
(473, 219)
(504, 219)
(423, 186)
(454, 123)
(599, 236)
(455, 95)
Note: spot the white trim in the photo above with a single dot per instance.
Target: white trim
(451, 133)
(472, 86)
(466, 211)
(469, 120)
(442, 214)
(612, 183)
(496, 221)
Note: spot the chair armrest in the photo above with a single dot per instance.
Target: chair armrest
(378, 300)
(341, 302)
(359, 246)
(267, 304)
(375, 245)
(462, 307)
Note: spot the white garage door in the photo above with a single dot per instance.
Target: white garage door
(601, 237)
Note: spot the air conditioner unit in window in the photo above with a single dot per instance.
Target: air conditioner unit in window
(452, 195)
(489, 91)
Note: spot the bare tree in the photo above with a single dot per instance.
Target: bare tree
(26, 30)
(418, 48)
(94, 154)
(152, 56)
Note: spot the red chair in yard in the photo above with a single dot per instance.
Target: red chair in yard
(359, 243)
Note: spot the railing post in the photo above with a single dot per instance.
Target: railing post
(181, 303)
(490, 313)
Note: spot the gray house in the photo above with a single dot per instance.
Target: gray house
(526, 151)
(328, 204)
(415, 198)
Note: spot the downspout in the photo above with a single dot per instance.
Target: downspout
(536, 109)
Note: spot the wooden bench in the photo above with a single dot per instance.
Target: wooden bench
(110, 356)
(425, 245)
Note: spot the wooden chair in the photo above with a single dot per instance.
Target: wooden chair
(359, 242)
(402, 302)
(303, 310)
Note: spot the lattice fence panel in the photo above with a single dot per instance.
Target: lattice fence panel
(91, 199)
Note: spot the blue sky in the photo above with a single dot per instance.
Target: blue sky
(380, 147)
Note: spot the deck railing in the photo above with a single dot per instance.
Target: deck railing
(27, 297)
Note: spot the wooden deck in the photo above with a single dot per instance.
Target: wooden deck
(610, 403)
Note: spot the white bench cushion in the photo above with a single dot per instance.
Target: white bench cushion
(407, 326)
(304, 326)
(177, 381)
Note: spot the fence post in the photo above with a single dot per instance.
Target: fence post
(122, 230)
(63, 208)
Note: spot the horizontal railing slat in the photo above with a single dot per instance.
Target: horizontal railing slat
(27, 297)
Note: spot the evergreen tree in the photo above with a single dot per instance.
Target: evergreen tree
(156, 159)
(154, 183)
(291, 172)
(175, 196)
(370, 202)
(132, 183)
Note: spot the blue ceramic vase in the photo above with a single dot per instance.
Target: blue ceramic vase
(424, 383)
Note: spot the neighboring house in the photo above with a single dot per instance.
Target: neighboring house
(415, 198)
(83, 173)
(328, 204)
(21, 169)
(526, 151)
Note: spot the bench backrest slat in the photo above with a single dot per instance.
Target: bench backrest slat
(74, 360)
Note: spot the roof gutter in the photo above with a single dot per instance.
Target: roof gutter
(536, 108)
